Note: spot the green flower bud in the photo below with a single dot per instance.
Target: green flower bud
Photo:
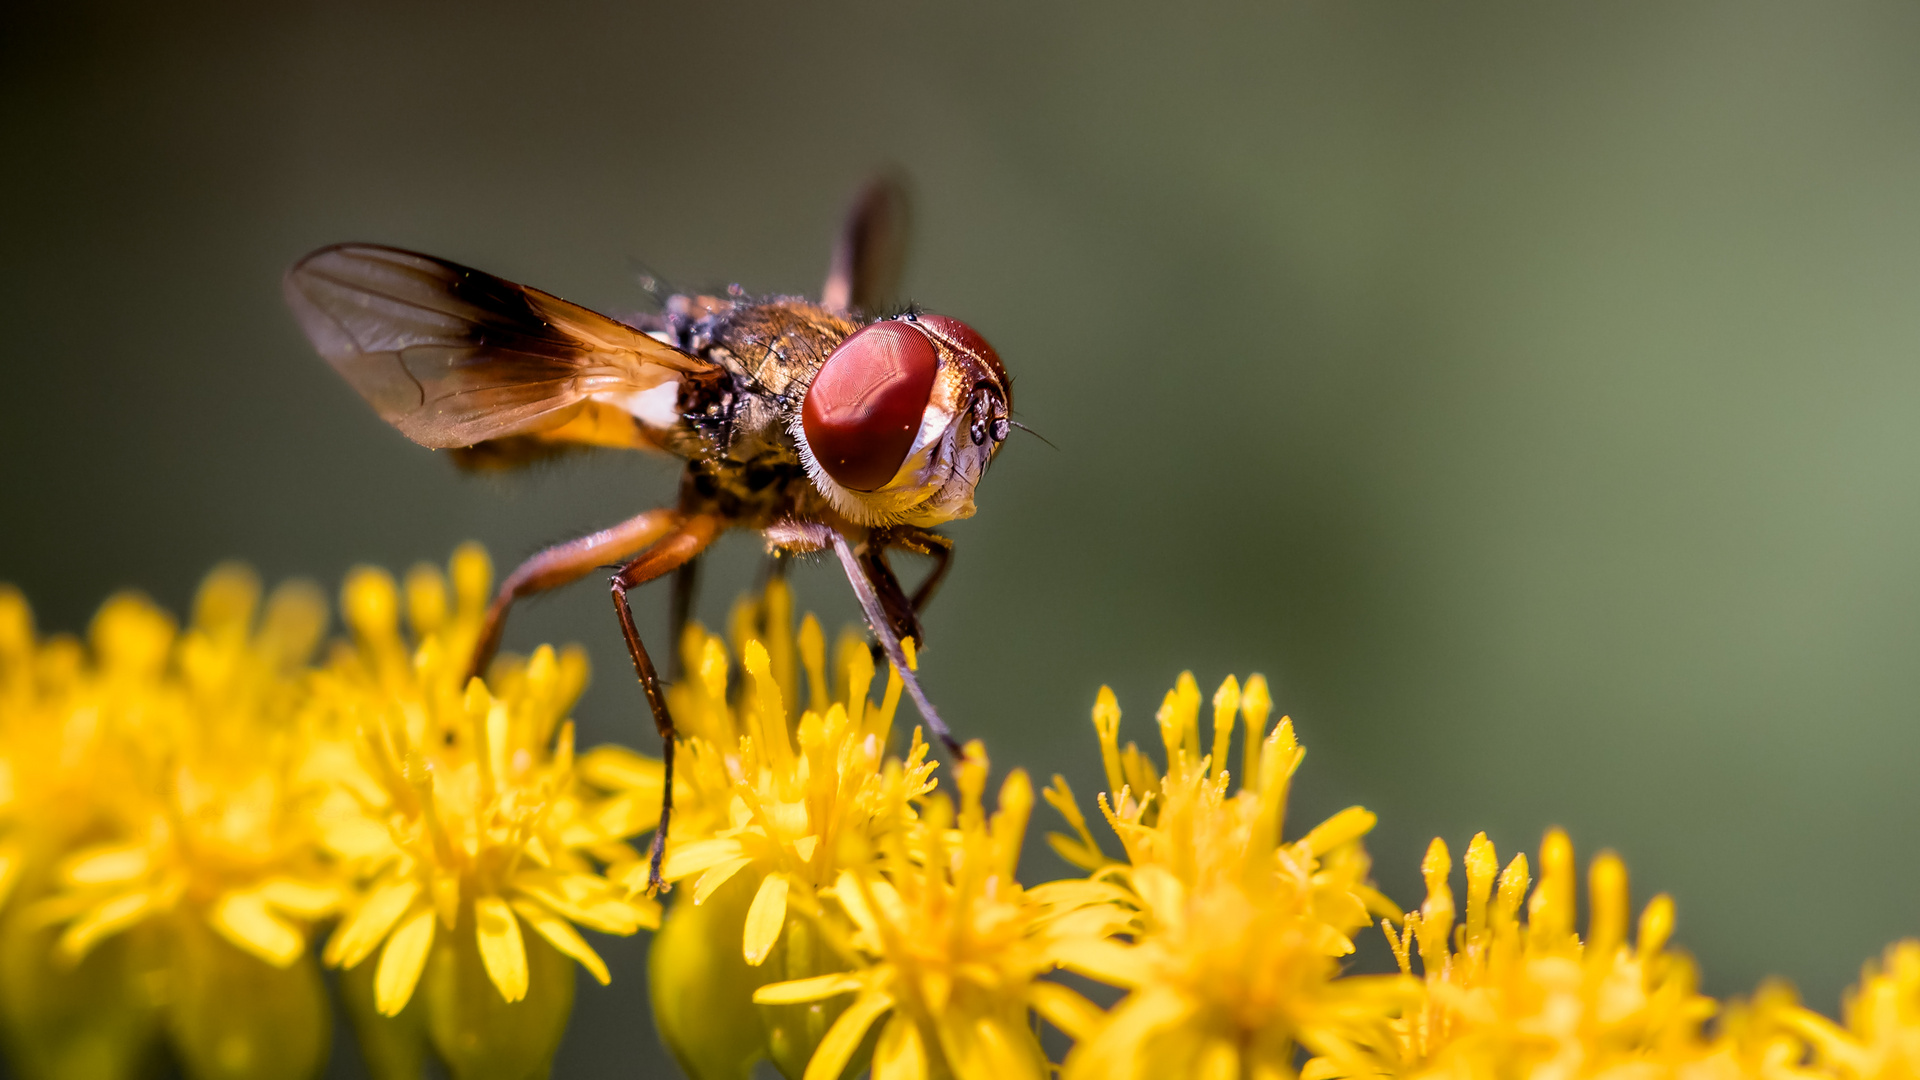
(233, 1016)
(793, 1031)
(701, 986)
(95, 1020)
(395, 1047)
(478, 1034)
(458, 1012)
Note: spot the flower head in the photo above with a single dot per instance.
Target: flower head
(470, 820)
(791, 801)
(156, 780)
(950, 947)
(773, 803)
(1879, 1033)
(213, 811)
(1503, 996)
(1232, 935)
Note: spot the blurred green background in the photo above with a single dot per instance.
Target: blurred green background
(1528, 390)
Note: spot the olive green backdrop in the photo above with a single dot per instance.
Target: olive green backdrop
(1530, 391)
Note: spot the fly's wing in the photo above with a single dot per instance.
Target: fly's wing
(454, 357)
(872, 250)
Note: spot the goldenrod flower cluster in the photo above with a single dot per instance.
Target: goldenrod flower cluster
(1227, 940)
(194, 823)
(188, 815)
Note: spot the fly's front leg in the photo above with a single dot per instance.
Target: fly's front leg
(672, 552)
(893, 599)
(932, 544)
(871, 589)
(904, 611)
(562, 564)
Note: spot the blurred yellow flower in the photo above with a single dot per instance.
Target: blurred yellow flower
(1879, 1036)
(1235, 935)
(217, 816)
(172, 761)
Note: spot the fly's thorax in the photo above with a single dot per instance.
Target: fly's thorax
(772, 350)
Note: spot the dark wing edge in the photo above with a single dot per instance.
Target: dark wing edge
(452, 356)
(871, 253)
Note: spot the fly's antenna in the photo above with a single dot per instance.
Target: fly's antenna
(1030, 431)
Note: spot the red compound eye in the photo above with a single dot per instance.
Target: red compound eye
(864, 408)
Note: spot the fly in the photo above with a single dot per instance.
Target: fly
(818, 424)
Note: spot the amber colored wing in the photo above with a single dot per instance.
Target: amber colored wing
(871, 253)
(454, 357)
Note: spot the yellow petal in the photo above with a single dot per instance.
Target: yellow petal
(1165, 896)
(356, 838)
(900, 1055)
(765, 918)
(1218, 1061)
(301, 898)
(843, 1038)
(109, 918)
(616, 768)
(1107, 961)
(401, 963)
(820, 986)
(687, 858)
(501, 950)
(244, 919)
(361, 933)
(1072, 893)
(562, 936)
(1350, 824)
(1117, 1050)
(1321, 1068)
(621, 816)
(107, 865)
(1063, 1008)
(989, 1050)
(587, 899)
(936, 985)
(846, 889)
(717, 877)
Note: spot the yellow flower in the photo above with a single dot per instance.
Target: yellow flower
(791, 803)
(471, 827)
(1506, 997)
(950, 948)
(172, 757)
(216, 816)
(63, 711)
(769, 810)
(1880, 1036)
(1235, 934)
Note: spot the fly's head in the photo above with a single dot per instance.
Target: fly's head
(902, 419)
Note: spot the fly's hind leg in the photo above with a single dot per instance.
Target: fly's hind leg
(562, 564)
(673, 551)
